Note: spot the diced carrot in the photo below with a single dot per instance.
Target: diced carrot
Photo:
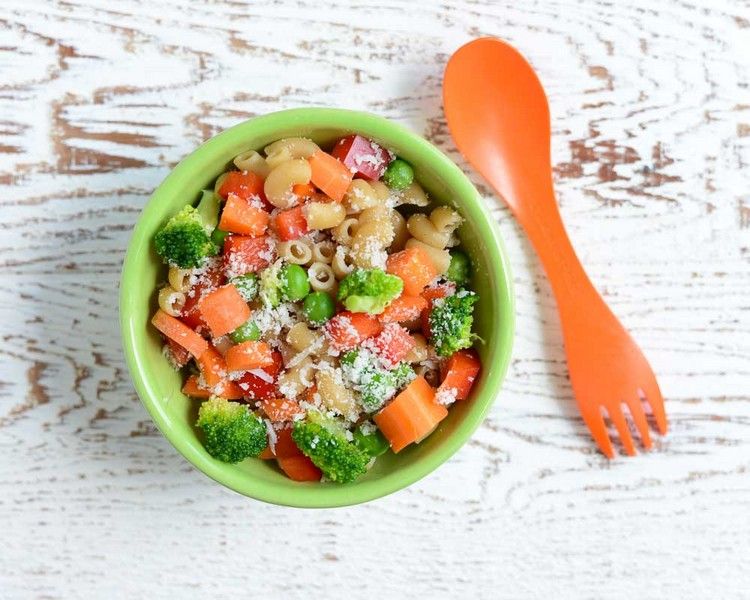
(290, 224)
(402, 309)
(177, 331)
(177, 354)
(392, 344)
(299, 468)
(229, 390)
(267, 454)
(240, 216)
(212, 366)
(206, 281)
(330, 175)
(347, 330)
(243, 254)
(280, 409)
(414, 267)
(249, 355)
(459, 372)
(303, 190)
(192, 389)
(226, 389)
(411, 416)
(244, 184)
(224, 310)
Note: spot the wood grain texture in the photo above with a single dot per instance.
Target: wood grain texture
(651, 121)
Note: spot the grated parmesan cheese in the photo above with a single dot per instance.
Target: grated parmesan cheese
(446, 396)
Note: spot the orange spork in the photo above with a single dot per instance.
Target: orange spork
(498, 115)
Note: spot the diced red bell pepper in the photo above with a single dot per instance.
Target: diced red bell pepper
(209, 280)
(244, 184)
(368, 158)
(178, 356)
(261, 387)
(244, 254)
(347, 330)
(392, 344)
(459, 372)
(290, 224)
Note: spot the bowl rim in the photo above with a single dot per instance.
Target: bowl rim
(466, 195)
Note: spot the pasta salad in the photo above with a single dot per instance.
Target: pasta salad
(319, 307)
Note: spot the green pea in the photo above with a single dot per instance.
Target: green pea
(294, 283)
(218, 236)
(372, 443)
(318, 307)
(247, 285)
(460, 267)
(398, 175)
(248, 332)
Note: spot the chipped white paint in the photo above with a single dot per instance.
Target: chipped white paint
(651, 128)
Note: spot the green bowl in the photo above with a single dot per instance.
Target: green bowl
(159, 386)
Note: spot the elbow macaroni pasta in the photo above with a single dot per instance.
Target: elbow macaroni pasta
(430, 373)
(446, 221)
(400, 231)
(441, 258)
(344, 232)
(341, 263)
(289, 148)
(323, 215)
(333, 394)
(253, 162)
(302, 338)
(419, 352)
(360, 196)
(321, 277)
(382, 191)
(298, 252)
(422, 229)
(369, 243)
(179, 279)
(296, 379)
(278, 184)
(323, 251)
(413, 194)
(171, 301)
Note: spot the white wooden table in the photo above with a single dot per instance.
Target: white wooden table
(651, 120)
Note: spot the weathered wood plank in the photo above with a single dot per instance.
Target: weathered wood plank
(651, 121)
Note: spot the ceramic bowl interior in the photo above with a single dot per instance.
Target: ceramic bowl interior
(159, 386)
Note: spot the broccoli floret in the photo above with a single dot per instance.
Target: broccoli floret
(403, 375)
(324, 441)
(185, 241)
(459, 270)
(270, 285)
(369, 290)
(247, 285)
(375, 384)
(208, 209)
(231, 431)
(450, 322)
